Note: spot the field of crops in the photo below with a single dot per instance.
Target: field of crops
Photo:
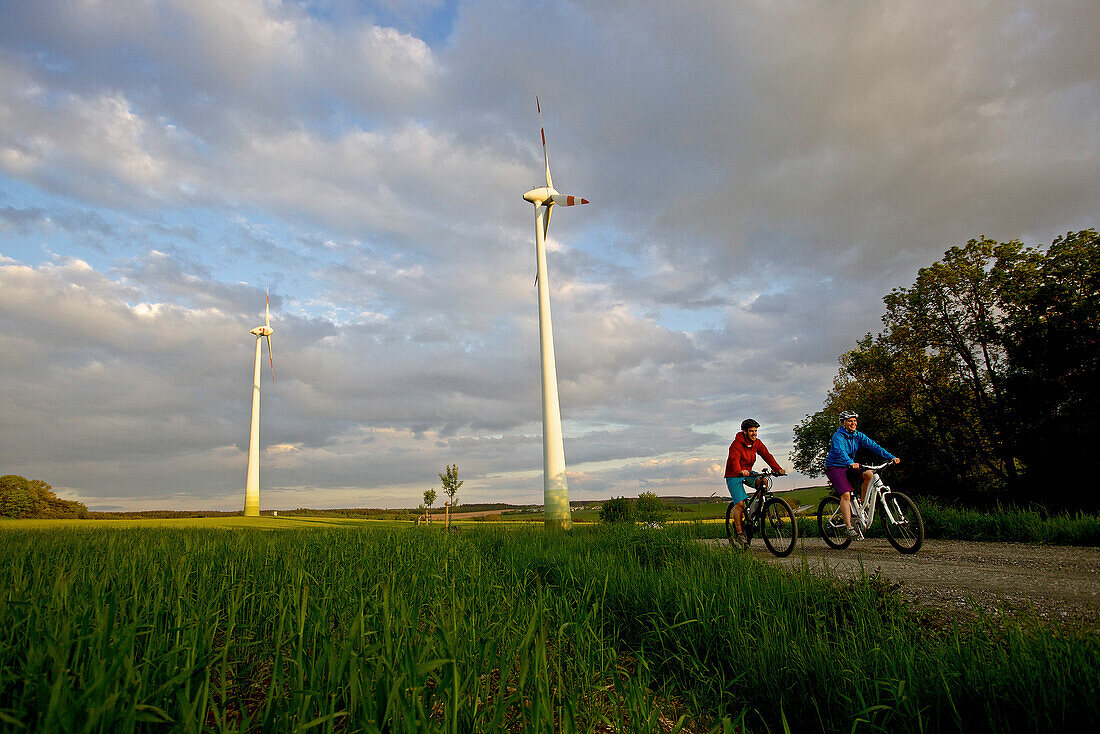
(362, 627)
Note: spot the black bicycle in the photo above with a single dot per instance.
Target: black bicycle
(765, 515)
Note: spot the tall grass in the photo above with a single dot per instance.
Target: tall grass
(1010, 524)
(490, 629)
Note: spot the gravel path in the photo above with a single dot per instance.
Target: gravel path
(1062, 583)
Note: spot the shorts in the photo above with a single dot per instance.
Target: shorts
(844, 478)
(736, 487)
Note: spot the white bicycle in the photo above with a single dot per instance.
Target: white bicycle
(901, 520)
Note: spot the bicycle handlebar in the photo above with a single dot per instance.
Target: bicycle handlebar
(878, 467)
(767, 473)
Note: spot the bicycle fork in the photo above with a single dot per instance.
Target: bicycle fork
(894, 514)
(863, 516)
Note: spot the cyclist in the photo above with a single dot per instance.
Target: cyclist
(742, 456)
(842, 468)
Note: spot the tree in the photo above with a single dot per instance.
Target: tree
(1053, 324)
(982, 371)
(651, 509)
(451, 483)
(616, 510)
(429, 500)
(32, 498)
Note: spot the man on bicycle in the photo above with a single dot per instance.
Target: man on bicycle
(842, 468)
(742, 456)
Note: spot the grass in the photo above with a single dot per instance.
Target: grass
(363, 627)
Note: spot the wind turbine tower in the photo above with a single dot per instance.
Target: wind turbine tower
(252, 481)
(555, 488)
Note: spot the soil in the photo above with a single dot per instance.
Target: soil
(1061, 584)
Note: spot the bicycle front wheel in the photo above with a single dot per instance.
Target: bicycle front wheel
(778, 527)
(906, 531)
(830, 523)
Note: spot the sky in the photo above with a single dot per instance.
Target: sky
(761, 174)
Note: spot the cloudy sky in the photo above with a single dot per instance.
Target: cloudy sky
(761, 174)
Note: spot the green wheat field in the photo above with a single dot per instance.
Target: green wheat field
(332, 625)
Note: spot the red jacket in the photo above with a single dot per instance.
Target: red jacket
(743, 455)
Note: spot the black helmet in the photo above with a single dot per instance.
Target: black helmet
(848, 414)
(749, 423)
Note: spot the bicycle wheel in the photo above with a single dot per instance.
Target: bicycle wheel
(906, 532)
(778, 527)
(830, 523)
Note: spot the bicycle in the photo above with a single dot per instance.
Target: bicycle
(767, 515)
(901, 520)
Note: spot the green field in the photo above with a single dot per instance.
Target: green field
(701, 511)
(359, 626)
(229, 523)
(695, 519)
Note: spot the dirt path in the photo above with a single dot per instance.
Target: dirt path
(1062, 583)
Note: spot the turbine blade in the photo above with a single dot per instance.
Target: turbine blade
(546, 222)
(271, 356)
(545, 155)
(267, 311)
(564, 200)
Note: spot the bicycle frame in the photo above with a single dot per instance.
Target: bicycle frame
(877, 489)
(755, 502)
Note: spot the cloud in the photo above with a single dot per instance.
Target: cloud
(151, 389)
(761, 174)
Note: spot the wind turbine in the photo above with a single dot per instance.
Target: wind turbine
(555, 487)
(252, 481)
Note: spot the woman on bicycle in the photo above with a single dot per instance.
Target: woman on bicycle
(742, 456)
(842, 468)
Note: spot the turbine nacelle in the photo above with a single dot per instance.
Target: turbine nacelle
(262, 331)
(540, 195)
(548, 196)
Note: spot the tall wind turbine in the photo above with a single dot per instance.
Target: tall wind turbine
(252, 481)
(555, 488)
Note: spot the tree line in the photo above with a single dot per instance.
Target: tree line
(984, 376)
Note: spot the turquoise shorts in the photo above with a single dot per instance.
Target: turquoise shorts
(736, 487)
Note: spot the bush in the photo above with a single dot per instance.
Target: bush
(617, 509)
(651, 509)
